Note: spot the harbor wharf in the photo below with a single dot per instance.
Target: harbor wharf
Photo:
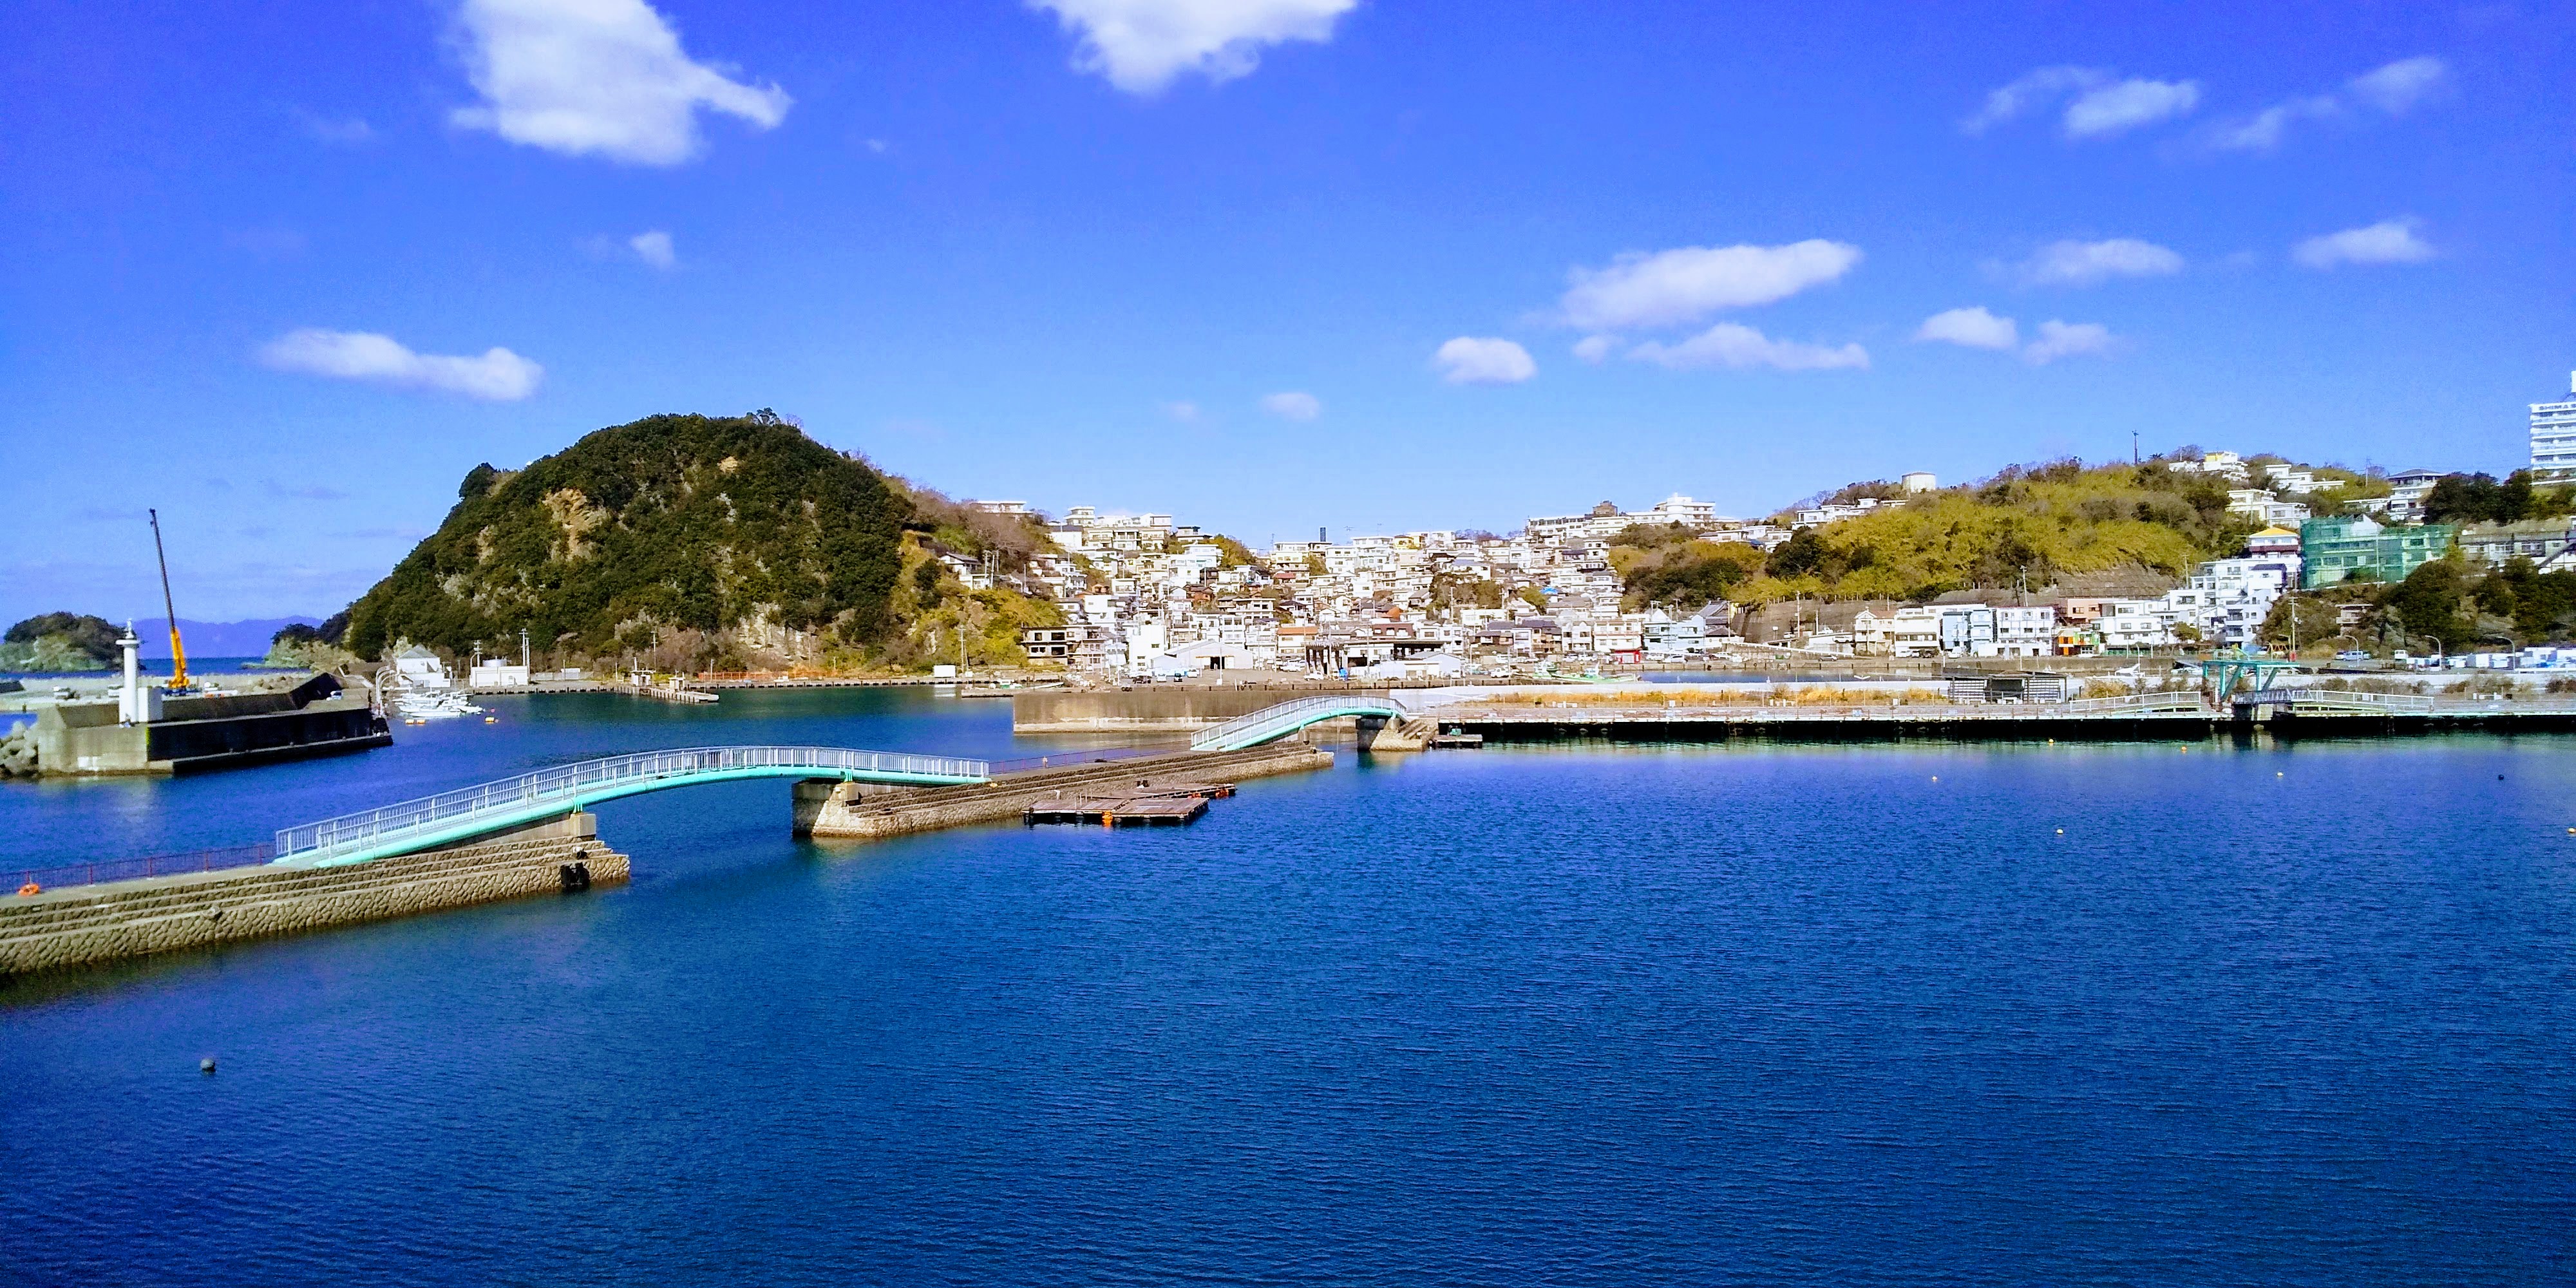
(2181, 716)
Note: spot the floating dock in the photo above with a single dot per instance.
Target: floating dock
(1171, 803)
(1117, 811)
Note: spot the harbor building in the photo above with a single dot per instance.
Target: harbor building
(2553, 437)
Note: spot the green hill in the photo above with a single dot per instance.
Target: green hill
(2035, 526)
(712, 529)
(60, 642)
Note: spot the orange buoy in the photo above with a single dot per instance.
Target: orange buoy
(30, 889)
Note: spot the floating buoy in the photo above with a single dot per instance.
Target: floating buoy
(206, 1065)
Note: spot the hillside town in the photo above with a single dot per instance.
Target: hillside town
(1146, 597)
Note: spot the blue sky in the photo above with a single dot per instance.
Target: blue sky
(287, 271)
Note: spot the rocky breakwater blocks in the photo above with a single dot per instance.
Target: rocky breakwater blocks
(829, 808)
(79, 925)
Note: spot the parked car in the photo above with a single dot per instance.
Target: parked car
(2352, 655)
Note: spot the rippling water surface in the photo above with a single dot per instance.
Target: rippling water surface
(1564, 1016)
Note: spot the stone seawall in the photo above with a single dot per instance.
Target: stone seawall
(78, 925)
(835, 809)
(1154, 709)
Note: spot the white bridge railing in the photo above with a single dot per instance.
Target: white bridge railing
(565, 785)
(1289, 717)
(2339, 699)
(2350, 700)
(2184, 700)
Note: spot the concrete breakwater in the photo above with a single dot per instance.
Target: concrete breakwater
(833, 809)
(79, 925)
(1973, 722)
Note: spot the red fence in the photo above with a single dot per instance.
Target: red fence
(150, 865)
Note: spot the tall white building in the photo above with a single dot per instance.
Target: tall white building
(2553, 436)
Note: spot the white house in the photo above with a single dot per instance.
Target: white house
(2026, 631)
(1913, 631)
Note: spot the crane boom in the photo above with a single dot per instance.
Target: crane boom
(178, 653)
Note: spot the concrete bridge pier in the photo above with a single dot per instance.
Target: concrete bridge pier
(826, 802)
(1385, 733)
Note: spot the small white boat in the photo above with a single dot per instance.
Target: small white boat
(418, 686)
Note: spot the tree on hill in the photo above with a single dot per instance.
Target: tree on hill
(2478, 498)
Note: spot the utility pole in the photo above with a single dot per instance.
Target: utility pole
(2134, 458)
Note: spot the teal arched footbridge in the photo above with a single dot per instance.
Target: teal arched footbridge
(1275, 722)
(469, 812)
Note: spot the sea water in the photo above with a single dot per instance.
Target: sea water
(2141, 1013)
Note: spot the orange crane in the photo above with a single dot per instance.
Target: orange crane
(178, 654)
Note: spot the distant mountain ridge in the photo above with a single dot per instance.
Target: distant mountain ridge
(214, 639)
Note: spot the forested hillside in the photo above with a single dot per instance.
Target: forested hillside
(60, 642)
(714, 536)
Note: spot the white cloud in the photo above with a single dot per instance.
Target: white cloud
(2116, 109)
(2042, 85)
(2076, 263)
(497, 375)
(2262, 131)
(654, 248)
(2390, 241)
(347, 131)
(1593, 348)
(1691, 282)
(1473, 360)
(1185, 412)
(2395, 90)
(1732, 344)
(2399, 86)
(1293, 406)
(1140, 46)
(2066, 340)
(1974, 327)
(596, 76)
(2100, 106)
